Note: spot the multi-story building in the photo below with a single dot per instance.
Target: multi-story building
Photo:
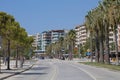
(45, 39)
(36, 43)
(38, 37)
(48, 37)
(56, 34)
(77, 30)
(81, 35)
(118, 37)
(112, 37)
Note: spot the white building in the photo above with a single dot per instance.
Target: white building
(118, 37)
(81, 35)
(36, 43)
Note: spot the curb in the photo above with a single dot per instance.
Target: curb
(16, 73)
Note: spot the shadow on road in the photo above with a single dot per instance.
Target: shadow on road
(39, 68)
(33, 73)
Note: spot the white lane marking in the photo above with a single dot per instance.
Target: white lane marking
(54, 74)
(85, 71)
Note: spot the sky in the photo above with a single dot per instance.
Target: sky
(37, 16)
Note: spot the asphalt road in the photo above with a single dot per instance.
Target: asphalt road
(42, 70)
(65, 70)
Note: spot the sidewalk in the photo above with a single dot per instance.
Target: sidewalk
(8, 73)
(81, 60)
(89, 60)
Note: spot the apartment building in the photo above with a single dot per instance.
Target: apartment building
(56, 34)
(118, 38)
(48, 37)
(45, 39)
(36, 43)
(81, 35)
(112, 37)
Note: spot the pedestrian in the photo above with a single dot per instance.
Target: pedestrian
(6, 60)
(88, 54)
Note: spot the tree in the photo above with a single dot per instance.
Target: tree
(97, 23)
(11, 32)
(93, 27)
(6, 33)
(114, 17)
(71, 40)
(99, 20)
(49, 50)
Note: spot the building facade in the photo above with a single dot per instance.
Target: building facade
(118, 37)
(56, 34)
(81, 35)
(36, 44)
(45, 39)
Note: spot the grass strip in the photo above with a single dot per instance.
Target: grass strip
(108, 66)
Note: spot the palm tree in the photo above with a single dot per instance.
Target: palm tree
(66, 44)
(60, 42)
(101, 29)
(99, 20)
(56, 48)
(114, 15)
(94, 26)
(49, 50)
(90, 28)
(71, 40)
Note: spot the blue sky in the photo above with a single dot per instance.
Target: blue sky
(41, 15)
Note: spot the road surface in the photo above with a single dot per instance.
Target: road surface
(65, 70)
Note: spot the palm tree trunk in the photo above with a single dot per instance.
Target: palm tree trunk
(72, 49)
(70, 52)
(116, 47)
(96, 48)
(101, 50)
(107, 50)
(91, 46)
